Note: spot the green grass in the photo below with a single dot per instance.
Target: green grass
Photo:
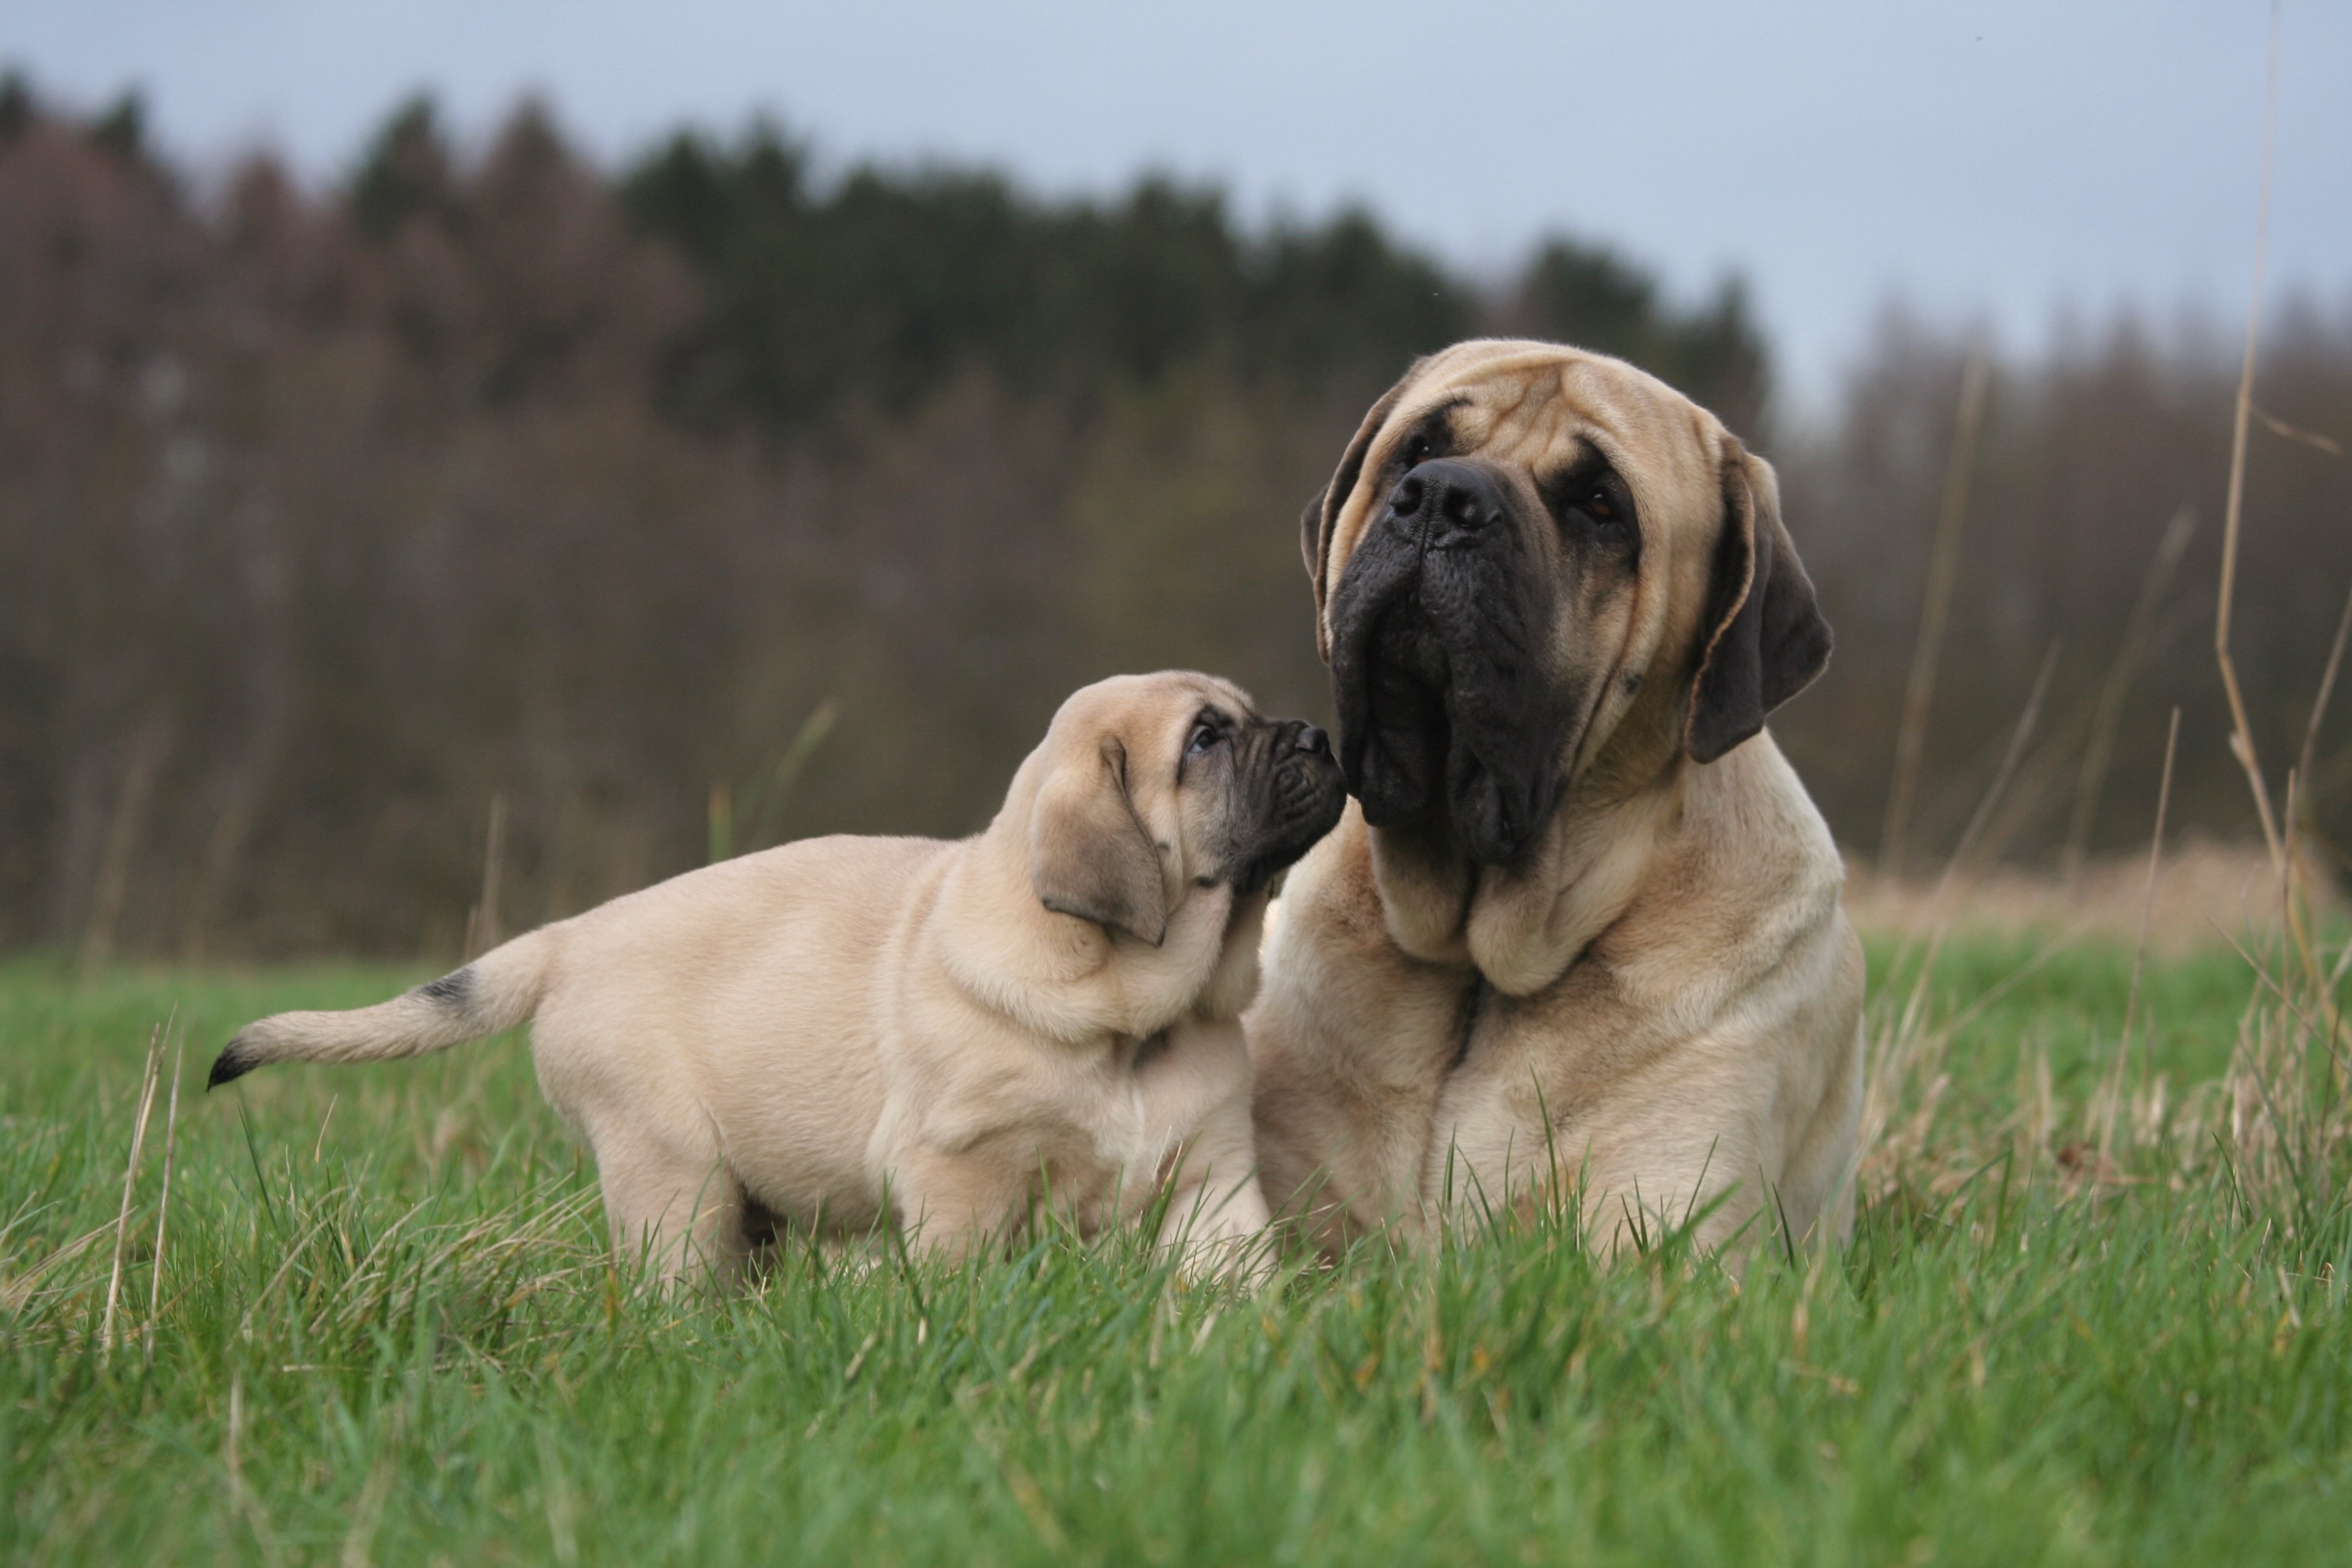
(389, 1332)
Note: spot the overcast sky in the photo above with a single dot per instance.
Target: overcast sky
(2007, 159)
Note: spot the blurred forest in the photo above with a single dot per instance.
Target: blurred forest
(495, 515)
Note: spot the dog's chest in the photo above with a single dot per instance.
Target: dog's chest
(1114, 1113)
(1130, 1122)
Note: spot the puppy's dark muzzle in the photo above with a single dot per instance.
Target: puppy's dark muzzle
(1300, 794)
(1304, 767)
(1310, 789)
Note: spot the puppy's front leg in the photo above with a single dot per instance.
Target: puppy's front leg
(1219, 1229)
(1217, 1215)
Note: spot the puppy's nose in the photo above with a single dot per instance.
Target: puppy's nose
(1447, 500)
(1313, 740)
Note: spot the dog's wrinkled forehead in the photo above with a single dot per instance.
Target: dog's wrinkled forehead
(1536, 407)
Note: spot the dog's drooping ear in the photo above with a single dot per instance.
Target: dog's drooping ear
(1766, 639)
(1321, 518)
(1089, 853)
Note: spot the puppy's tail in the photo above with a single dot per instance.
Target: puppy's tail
(497, 990)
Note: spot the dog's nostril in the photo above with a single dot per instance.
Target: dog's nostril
(1405, 499)
(1461, 509)
(1315, 742)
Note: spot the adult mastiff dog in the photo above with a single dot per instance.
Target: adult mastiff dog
(1580, 931)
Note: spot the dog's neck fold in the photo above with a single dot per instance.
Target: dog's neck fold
(1522, 925)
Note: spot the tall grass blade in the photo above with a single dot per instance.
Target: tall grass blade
(129, 1185)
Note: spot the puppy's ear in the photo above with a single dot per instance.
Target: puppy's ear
(1321, 517)
(1090, 855)
(1766, 639)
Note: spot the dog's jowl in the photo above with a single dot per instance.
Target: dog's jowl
(846, 1033)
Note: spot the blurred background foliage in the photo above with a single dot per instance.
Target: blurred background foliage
(328, 517)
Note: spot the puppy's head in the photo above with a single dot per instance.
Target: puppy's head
(1537, 565)
(1153, 789)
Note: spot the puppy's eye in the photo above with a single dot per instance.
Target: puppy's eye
(1416, 451)
(1205, 737)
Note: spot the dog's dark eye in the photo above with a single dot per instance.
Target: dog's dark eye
(1593, 503)
(1205, 737)
(1608, 518)
(1415, 453)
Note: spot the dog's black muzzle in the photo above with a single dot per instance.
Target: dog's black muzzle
(1296, 793)
(1441, 633)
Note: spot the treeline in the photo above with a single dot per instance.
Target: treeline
(872, 290)
(733, 497)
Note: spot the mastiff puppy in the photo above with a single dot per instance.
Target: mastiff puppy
(843, 1033)
(1578, 938)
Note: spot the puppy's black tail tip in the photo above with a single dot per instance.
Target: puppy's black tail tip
(234, 1062)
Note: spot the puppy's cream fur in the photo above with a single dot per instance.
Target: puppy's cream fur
(848, 1031)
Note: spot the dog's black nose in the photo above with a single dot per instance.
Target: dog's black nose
(1446, 498)
(1313, 740)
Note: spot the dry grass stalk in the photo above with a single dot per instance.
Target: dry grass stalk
(232, 1460)
(1946, 884)
(163, 1203)
(2288, 1080)
(2304, 762)
(2241, 737)
(2113, 1098)
(2298, 824)
(2281, 1107)
(129, 1185)
(482, 921)
(20, 1291)
(1943, 570)
(242, 1503)
(2099, 748)
(2289, 1130)
(150, 743)
(1908, 1052)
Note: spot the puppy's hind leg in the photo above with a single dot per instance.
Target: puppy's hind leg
(675, 1208)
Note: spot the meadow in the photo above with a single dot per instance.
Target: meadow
(2087, 1316)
